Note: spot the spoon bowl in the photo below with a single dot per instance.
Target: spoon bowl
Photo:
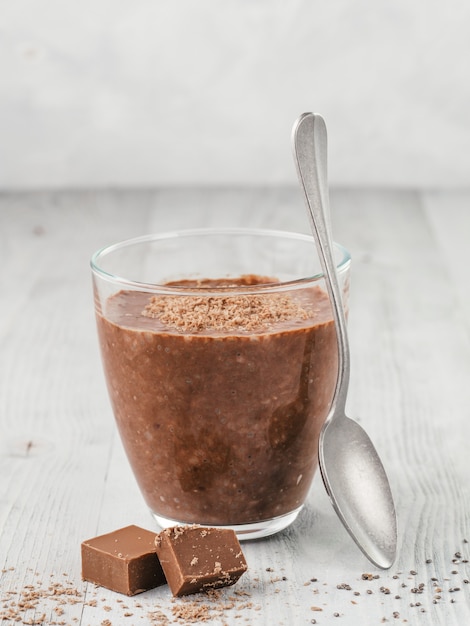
(356, 483)
(351, 469)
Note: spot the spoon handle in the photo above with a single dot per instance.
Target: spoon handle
(309, 138)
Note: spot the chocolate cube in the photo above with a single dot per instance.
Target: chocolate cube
(195, 558)
(124, 561)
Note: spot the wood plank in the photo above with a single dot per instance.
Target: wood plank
(56, 427)
(449, 216)
(64, 475)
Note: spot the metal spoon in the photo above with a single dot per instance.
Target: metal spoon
(352, 472)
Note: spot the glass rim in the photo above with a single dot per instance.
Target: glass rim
(341, 266)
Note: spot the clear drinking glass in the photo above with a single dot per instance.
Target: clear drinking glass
(220, 356)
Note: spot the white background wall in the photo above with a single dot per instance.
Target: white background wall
(157, 92)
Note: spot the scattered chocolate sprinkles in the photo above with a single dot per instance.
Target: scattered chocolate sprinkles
(257, 312)
(39, 604)
(433, 589)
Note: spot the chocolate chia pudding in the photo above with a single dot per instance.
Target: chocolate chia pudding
(220, 400)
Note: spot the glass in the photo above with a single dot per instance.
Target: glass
(220, 357)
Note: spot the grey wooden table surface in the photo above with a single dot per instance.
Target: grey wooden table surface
(63, 474)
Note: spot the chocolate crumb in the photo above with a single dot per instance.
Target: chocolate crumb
(15, 604)
(193, 313)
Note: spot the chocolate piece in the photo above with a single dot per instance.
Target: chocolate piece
(124, 561)
(195, 558)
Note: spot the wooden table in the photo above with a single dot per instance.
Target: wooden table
(64, 477)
